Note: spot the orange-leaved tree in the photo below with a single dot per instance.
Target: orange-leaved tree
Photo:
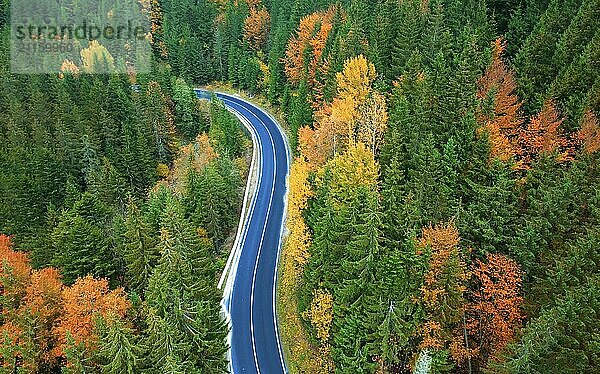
(501, 119)
(42, 319)
(494, 313)
(14, 276)
(256, 27)
(502, 122)
(588, 135)
(43, 306)
(544, 136)
(443, 288)
(304, 54)
(86, 300)
(31, 306)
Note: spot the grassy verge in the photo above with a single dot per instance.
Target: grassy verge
(301, 356)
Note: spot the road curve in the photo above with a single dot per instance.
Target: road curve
(250, 286)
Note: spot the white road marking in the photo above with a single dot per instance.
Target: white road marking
(232, 276)
(235, 256)
(279, 248)
(246, 213)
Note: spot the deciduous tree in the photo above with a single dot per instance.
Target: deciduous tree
(304, 53)
(87, 299)
(299, 240)
(494, 315)
(589, 134)
(443, 291)
(320, 314)
(504, 120)
(357, 113)
(97, 59)
(544, 136)
(256, 27)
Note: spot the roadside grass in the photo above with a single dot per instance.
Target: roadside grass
(301, 356)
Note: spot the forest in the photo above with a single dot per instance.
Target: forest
(443, 213)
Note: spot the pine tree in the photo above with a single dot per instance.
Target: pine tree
(411, 18)
(534, 65)
(187, 116)
(118, 348)
(159, 119)
(183, 319)
(82, 242)
(139, 250)
(225, 131)
(211, 199)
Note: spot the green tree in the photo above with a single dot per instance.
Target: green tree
(184, 325)
(83, 243)
(187, 115)
(140, 252)
(119, 352)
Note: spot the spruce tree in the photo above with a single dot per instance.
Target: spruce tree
(139, 250)
(119, 352)
(184, 325)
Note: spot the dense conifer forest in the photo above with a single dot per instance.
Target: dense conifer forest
(444, 203)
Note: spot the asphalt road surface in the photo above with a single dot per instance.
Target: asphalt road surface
(249, 292)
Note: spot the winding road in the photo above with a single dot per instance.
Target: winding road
(249, 280)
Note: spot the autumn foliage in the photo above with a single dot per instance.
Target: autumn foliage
(304, 53)
(494, 314)
(357, 114)
(84, 301)
(298, 240)
(96, 54)
(588, 137)
(514, 139)
(444, 285)
(320, 314)
(256, 27)
(504, 123)
(544, 136)
(39, 312)
(476, 323)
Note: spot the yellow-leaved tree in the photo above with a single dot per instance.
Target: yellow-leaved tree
(356, 167)
(320, 314)
(299, 239)
(358, 113)
(354, 82)
(96, 58)
(372, 121)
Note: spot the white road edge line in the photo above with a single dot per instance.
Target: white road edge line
(253, 337)
(231, 277)
(228, 290)
(289, 159)
(245, 211)
(235, 255)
